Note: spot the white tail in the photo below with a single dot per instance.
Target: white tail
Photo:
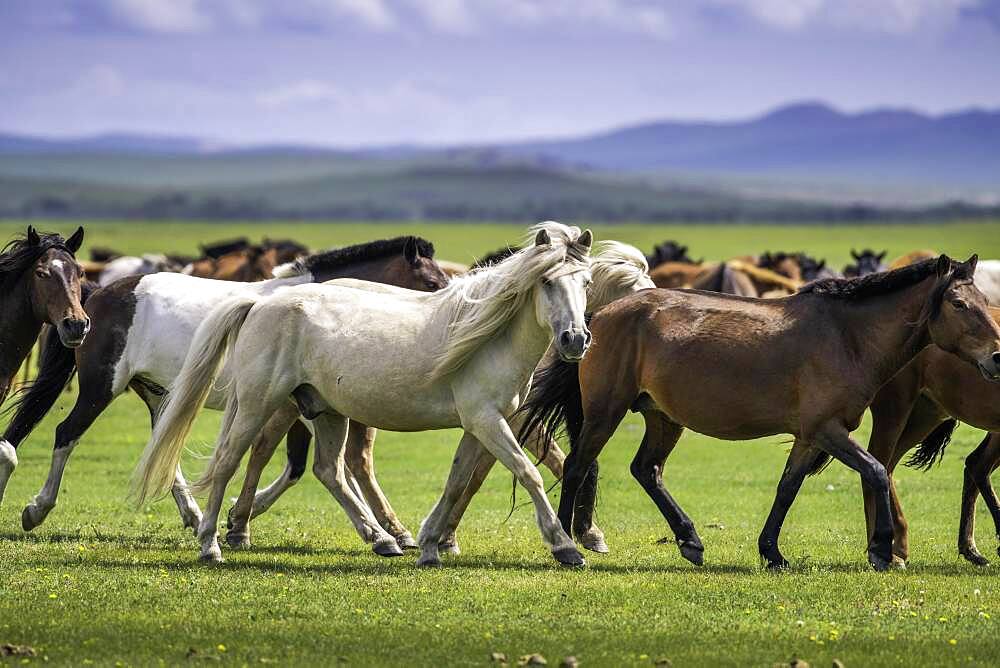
(155, 473)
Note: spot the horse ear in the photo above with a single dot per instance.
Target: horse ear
(854, 254)
(33, 238)
(410, 250)
(943, 265)
(822, 264)
(75, 241)
(683, 250)
(881, 256)
(972, 262)
(542, 238)
(586, 239)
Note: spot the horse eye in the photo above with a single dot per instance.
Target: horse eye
(959, 304)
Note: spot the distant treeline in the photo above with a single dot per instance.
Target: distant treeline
(181, 205)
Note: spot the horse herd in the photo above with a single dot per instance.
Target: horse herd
(560, 334)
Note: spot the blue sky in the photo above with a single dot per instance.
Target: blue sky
(359, 72)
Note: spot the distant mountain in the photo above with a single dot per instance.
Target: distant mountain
(805, 141)
(107, 143)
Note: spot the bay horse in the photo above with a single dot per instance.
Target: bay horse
(617, 270)
(735, 368)
(388, 359)
(143, 328)
(921, 405)
(39, 284)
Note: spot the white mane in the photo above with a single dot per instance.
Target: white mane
(617, 269)
(484, 301)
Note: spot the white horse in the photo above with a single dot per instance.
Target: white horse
(987, 279)
(406, 362)
(618, 269)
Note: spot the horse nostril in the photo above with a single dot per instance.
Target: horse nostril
(565, 338)
(996, 358)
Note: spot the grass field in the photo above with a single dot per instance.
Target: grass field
(102, 582)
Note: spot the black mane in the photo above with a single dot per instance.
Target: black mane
(18, 255)
(495, 257)
(217, 249)
(872, 285)
(373, 250)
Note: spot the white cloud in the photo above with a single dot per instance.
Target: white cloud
(451, 16)
(374, 14)
(891, 16)
(160, 16)
(627, 15)
(307, 91)
(100, 80)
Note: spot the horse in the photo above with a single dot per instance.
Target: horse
(921, 405)
(143, 328)
(734, 368)
(39, 284)
(785, 264)
(617, 269)
(866, 262)
(988, 280)
(127, 265)
(912, 257)
(389, 359)
(813, 269)
(670, 251)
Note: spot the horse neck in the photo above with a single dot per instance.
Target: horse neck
(530, 340)
(19, 328)
(378, 270)
(886, 332)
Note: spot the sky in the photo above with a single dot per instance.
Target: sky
(371, 72)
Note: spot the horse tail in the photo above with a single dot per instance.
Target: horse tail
(819, 464)
(56, 366)
(554, 403)
(207, 477)
(154, 474)
(932, 447)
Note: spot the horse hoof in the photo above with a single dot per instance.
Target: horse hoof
(898, 563)
(406, 542)
(428, 562)
(451, 547)
(569, 556)
(594, 543)
(387, 547)
(238, 541)
(778, 565)
(880, 564)
(212, 557)
(974, 557)
(28, 521)
(693, 552)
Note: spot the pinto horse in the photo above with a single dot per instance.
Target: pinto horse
(143, 327)
(389, 359)
(39, 284)
(735, 368)
(617, 269)
(920, 405)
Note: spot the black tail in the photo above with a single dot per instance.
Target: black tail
(819, 464)
(56, 366)
(932, 449)
(554, 403)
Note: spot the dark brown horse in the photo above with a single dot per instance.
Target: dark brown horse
(39, 284)
(143, 327)
(920, 405)
(735, 368)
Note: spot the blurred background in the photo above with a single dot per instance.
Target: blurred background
(780, 111)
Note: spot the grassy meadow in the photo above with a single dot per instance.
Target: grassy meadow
(104, 583)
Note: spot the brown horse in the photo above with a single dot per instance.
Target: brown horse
(920, 405)
(736, 368)
(39, 284)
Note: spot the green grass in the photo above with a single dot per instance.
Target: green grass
(103, 582)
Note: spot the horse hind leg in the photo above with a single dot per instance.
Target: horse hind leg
(283, 421)
(647, 467)
(358, 456)
(978, 467)
(297, 447)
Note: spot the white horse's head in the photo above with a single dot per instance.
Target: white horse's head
(618, 270)
(561, 300)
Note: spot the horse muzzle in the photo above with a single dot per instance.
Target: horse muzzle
(572, 344)
(990, 367)
(72, 332)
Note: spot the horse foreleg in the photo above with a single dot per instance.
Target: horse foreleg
(978, 467)
(358, 455)
(484, 462)
(834, 439)
(238, 522)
